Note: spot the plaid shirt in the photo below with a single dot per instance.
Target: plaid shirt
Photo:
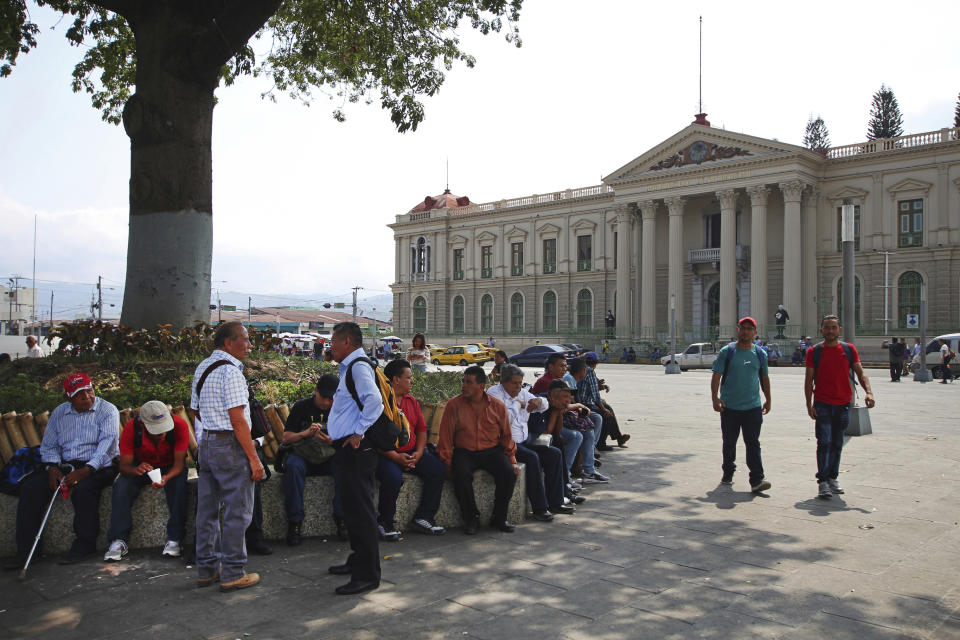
(588, 390)
(224, 389)
(91, 436)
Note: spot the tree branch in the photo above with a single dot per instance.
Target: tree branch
(129, 9)
(232, 28)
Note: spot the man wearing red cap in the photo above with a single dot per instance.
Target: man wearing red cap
(82, 432)
(739, 373)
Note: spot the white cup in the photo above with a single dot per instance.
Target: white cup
(154, 475)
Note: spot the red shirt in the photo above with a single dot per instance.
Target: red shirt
(411, 408)
(158, 455)
(832, 384)
(542, 385)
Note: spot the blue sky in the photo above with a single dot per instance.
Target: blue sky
(298, 197)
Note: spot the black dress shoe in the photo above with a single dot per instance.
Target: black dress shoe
(543, 516)
(621, 441)
(471, 527)
(565, 509)
(604, 447)
(73, 557)
(506, 527)
(294, 537)
(259, 548)
(340, 569)
(575, 499)
(356, 586)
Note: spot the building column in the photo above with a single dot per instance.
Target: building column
(792, 239)
(728, 259)
(675, 261)
(940, 234)
(810, 294)
(624, 236)
(758, 254)
(648, 269)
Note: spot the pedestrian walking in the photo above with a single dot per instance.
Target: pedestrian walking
(831, 366)
(740, 372)
(229, 465)
(946, 355)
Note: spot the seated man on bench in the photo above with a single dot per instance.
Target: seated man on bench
(154, 440)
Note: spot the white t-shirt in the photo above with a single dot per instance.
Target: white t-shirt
(944, 352)
(34, 352)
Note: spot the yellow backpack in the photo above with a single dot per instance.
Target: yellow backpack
(391, 431)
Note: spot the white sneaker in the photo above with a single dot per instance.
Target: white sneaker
(835, 488)
(118, 549)
(171, 549)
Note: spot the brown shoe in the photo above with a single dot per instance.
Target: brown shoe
(206, 582)
(622, 440)
(246, 580)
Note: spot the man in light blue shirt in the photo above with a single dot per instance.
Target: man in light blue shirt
(355, 462)
(739, 372)
(83, 432)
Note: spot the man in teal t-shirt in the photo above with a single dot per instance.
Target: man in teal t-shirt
(735, 387)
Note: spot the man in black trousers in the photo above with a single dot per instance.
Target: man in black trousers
(355, 462)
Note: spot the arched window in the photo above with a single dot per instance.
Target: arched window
(856, 297)
(419, 314)
(550, 312)
(458, 314)
(516, 313)
(908, 295)
(584, 309)
(486, 313)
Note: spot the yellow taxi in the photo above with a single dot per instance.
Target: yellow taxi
(490, 350)
(463, 355)
(435, 349)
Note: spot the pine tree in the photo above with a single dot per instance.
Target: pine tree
(816, 136)
(886, 120)
(956, 113)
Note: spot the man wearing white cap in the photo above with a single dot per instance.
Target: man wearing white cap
(153, 449)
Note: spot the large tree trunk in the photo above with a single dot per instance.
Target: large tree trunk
(181, 48)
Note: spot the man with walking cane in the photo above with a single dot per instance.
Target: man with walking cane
(82, 432)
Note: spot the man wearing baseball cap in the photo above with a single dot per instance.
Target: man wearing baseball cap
(739, 373)
(82, 432)
(152, 444)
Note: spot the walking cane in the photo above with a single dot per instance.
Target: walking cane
(46, 516)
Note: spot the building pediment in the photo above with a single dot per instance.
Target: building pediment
(486, 236)
(698, 145)
(849, 192)
(515, 232)
(583, 224)
(458, 240)
(909, 185)
(548, 228)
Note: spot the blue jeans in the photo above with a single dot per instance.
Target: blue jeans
(422, 368)
(295, 472)
(572, 440)
(587, 448)
(125, 492)
(430, 469)
(597, 420)
(224, 480)
(831, 422)
(732, 422)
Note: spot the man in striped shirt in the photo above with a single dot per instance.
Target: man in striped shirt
(229, 464)
(82, 432)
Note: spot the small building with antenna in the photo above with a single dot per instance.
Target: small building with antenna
(714, 223)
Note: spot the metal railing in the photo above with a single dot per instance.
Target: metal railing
(712, 254)
(584, 265)
(486, 273)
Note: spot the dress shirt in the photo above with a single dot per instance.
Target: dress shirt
(346, 418)
(588, 390)
(517, 409)
(91, 436)
(463, 427)
(224, 389)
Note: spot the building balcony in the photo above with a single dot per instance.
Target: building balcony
(712, 254)
(516, 271)
(486, 273)
(458, 275)
(584, 265)
(550, 267)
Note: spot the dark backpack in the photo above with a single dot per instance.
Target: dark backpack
(22, 463)
(847, 353)
(731, 351)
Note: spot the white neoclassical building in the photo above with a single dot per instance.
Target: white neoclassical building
(718, 224)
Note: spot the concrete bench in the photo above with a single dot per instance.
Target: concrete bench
(150, 512)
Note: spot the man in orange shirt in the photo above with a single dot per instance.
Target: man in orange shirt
(475, 434)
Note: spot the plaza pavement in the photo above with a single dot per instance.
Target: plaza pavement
(663, 551)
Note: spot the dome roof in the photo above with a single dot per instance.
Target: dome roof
(445, 200)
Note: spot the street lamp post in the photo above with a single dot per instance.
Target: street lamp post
(922, 374)
(849, 319)
(673, 366)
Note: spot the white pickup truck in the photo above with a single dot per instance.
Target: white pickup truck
(699, 355)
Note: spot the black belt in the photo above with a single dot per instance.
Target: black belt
(218, 434)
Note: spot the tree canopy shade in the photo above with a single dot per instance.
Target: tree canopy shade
(154, 66)
(816, 137)
(885, 118)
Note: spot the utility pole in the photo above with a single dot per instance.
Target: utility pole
(219, 308)
(355, 290)
(51, 314)
(10, 297)
(100, 298)
(249, 305)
